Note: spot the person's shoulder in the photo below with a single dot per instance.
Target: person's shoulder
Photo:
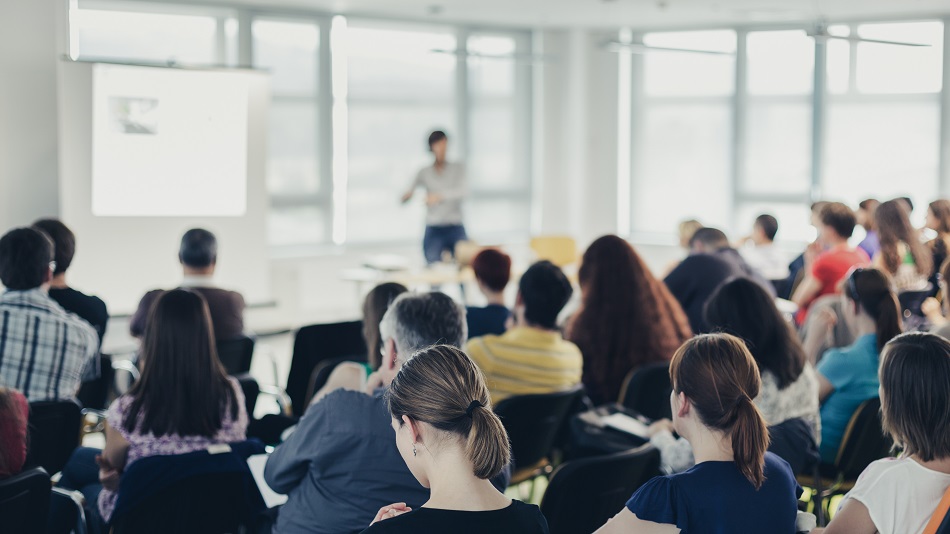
(887, 470)
(408, 522)
(775, 465)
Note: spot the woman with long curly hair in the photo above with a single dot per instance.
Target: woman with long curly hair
(627, 317)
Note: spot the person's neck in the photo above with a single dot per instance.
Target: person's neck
(197, 271)
(494, 297)
(710, 446)
(941, 465)
(525, 324)
(58, 281)
(453, 485)
(764, 243)
(864, 325)
(837, 242)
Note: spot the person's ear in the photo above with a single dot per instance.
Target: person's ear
(413, 426)
(684, 405)
(389, 359)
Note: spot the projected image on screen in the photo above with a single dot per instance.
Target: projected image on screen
(168, 142)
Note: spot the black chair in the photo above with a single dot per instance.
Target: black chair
(67, 515)
(54, 428)
(583, 494)
(24, 502)
(863, 442)
(792, 440)
(94, 394)
(236, 354)
(911, 301)
(198, 492)
(251, 390)
(316, 343)
(533, 423)
(647, 390)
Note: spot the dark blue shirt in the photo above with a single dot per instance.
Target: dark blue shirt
(340, 467)
(715, 498)
(488, 320)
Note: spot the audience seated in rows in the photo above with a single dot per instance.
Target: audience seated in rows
(796, 269)
(897, 495)
(789, 384)
(492, 272)
(864, 216)
(45, 352)
(453, 443)
(14, 412)
(938, 220)
(828, 260)
(184, 401)
(735, 486)
(763, 255)
(711, 262)
(198, 255)
(902, 255)
(848, 376)
(341, 464)
(90, 308)
(627, 318)
(684, 232)
(531, 357)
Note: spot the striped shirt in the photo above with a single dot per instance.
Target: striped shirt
(45, 352)
(525, 361)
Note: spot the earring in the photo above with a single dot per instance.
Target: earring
(413, 450)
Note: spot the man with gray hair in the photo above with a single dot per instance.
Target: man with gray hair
(341, 464)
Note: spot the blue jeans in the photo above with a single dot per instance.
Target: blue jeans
(441, 238)
(82, 473)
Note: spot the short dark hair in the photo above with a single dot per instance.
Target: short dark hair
(25, 254)
(711, 237)
(199, 248)
(914, 371)
(64, 242)
(544, 290)
(839, 217)
(493, 268)
(768, 224)
(435, 137)
(908, 202)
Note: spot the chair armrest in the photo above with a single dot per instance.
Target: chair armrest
(93, 421)
(281, 396)
(127, 366)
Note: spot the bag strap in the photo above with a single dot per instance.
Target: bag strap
(937, 518)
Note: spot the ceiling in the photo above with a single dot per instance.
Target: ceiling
(616, 13)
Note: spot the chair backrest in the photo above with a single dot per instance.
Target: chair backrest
(236, 354)
(320, 374)
(251, 390)
(792, 440)
(54, 428)
(533, 422)
(560, 250)
(646, 390)
(94, 394)
(24, 502)
(583, 494)
(911, 301)
(193, 492)
(864, 440)
(316, 343)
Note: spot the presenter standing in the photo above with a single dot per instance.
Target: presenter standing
(444, 184)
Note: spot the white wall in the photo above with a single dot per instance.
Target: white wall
(31, 41)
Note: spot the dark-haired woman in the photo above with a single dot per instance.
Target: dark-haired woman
(789, 384)
(848, 376)
(453, 444)
(736, 486)
(627, 317)
(900, 494)
(901, 255)
(184, 401)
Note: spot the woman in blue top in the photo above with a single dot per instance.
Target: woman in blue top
(735, 486)
(848, 376)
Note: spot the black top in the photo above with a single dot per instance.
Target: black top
(488, 320)
(519, 518)
(88, 307)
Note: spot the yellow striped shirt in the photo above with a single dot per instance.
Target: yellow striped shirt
(525, 361)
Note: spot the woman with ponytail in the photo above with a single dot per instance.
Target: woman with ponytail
(848, 376)
(735, 486)
(453, 443)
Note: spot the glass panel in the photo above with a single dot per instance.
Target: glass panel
(884, 68)
(394, 64)
(677, 73)
(185, 39)
(839, 61)
(780, 63)
(492, 162)
(491, 76)
(778, 151)
(497, 217)
(882, 150)
(701, 131)
(292, 148)
(297, 226)
(289, 51)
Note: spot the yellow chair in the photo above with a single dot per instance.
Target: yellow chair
(561, 250)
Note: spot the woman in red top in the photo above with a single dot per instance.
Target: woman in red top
(14, 411)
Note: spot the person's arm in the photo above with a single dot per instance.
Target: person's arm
(291, 460)
(932, 309)
(116, 451)
(825, 388)
(411, 190)
(676, 454)
(852, 518)
(626, 522)
(806, 291)
(819, 333)
(347, 375)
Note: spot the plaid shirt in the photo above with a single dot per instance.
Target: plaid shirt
(45, 352)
